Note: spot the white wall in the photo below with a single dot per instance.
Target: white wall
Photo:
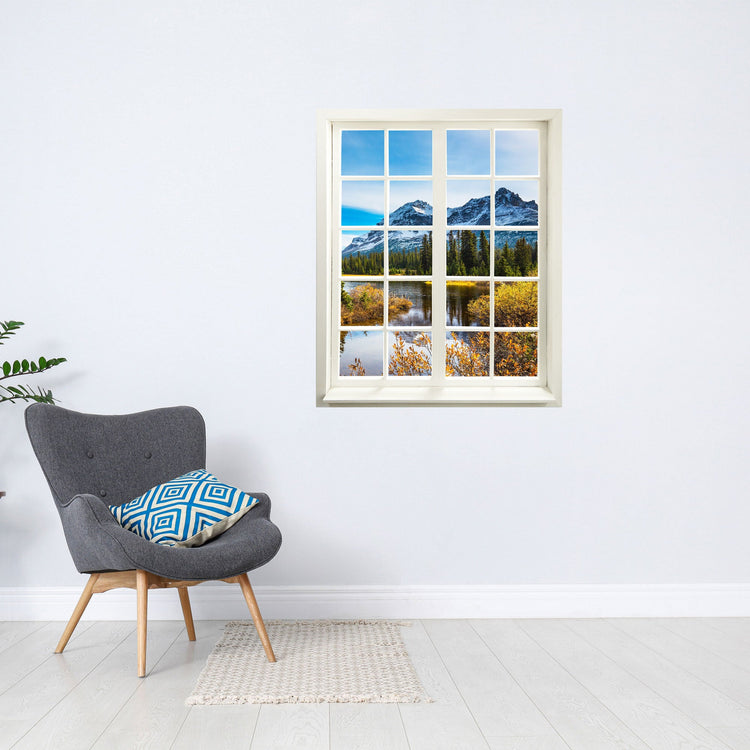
(157, 183)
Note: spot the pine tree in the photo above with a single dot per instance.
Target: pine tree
(468, 250)
(484, 254)
(425, 257)
(452, 260)
(523, 257)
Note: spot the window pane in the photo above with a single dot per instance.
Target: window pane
(467, 303)
(361, 353)
(467, 354)
(468, 152)
(409, 353)
(516, 254)
(410, 152)
(410, 303)
(517, 152)
(516, 354)
(516, 304)
(469, 202)
(516, 203)
(410, 252)
(362, 152)
(362, 203)
(361, 303)
(362, 253)
(468, 252)
(410, 202)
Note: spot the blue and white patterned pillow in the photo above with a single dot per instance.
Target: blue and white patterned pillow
(184, 512)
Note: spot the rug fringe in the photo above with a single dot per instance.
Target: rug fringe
(399, 623)
(215, 700)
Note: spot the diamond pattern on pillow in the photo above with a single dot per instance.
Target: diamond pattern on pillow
(186, 511)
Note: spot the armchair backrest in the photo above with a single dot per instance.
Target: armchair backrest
(114, 457)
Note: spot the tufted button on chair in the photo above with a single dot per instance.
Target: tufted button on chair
(89, 457)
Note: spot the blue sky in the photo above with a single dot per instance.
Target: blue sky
(362, 202)
(410, 153)
(406, 191)
(527, 189)
(468, 152)
(516, 152)
(460, 191)
(363, 153)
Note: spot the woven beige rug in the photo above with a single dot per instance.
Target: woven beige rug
(318, 661)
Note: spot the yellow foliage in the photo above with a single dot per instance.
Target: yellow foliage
(468, 358)
(411, 359)
(515, 305)
(357, 368)
(515, 354)
(365, 306)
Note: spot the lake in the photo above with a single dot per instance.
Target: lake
(458, 296)
(419, 293)
(367, 346)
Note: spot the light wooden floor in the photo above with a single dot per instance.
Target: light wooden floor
(671, 684)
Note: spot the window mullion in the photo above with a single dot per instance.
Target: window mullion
(439, 233)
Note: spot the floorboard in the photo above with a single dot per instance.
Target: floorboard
(448, 723)
(13, 632)
(153, 715)
(217, 727)
(577, 715)
(17, 662)
(707, 705)
(629, 684)
(721, 674)
(29, 700)
(367, 726)
(291, 725)
(653, 718)
(72, 723)
(497, 702)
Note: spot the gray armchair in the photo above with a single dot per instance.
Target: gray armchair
(92, 461)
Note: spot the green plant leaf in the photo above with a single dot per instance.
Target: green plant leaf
(24, 367)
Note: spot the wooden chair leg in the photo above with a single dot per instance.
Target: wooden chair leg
(187, 613)
(252, 605)
(88, 590)
(141, 581)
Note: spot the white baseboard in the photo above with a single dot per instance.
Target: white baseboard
(221, 601)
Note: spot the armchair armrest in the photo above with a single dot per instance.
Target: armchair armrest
(91, 533)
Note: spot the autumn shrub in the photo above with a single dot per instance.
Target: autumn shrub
(515, 354)
(411, 358)
(468, 357)
(357, 368)
(515, 305)
(363, 306)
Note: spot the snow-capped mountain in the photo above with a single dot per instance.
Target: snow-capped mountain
(510, 210)
(416, 212)
(513, 211)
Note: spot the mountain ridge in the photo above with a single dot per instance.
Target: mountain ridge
(510, 210)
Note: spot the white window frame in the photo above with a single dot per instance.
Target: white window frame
(543, 390)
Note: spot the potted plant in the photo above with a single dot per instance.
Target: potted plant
(11, 393)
